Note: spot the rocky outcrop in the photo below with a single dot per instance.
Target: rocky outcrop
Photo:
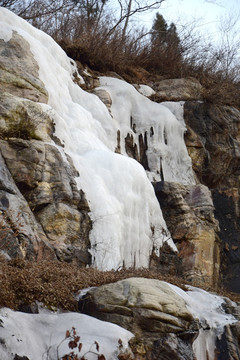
(213, 142)
(20, 234)
(177, 90)
(35, 176)
(42, 210)
(189, 213)
(19, 70)
(47, 183)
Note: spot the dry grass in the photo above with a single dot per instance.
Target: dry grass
(144, 64)
(55, 283)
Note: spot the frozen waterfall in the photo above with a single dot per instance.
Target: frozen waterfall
(127, 220)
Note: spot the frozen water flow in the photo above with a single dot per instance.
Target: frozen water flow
(207, 308)
(127, 220)
(162, 129)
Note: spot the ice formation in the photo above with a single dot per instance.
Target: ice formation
(37, 336)
(127, 220)
(207, 308)
(162, 126)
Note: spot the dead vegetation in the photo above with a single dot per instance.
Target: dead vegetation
(54, 283)
(105, 40)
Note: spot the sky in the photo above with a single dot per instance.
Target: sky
(208, 14)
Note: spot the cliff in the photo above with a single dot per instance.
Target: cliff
(95, 173)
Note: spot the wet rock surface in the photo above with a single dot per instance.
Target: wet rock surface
(227, 203)
(174, 346)
(213, 142)
(214, 137)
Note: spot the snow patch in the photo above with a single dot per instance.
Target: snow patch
(5, 33)
(33, 335)
(145, 90)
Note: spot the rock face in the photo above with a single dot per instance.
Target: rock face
(214, 137)
(20, 234)
(19, 70)
(177, 90)
(226, 203)
(213, 141)
(189, 213)
(151, 310)
(42, 211)
(47, 183)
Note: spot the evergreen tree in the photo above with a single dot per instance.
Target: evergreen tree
(162, 34)
(159, 30)
(166, 49)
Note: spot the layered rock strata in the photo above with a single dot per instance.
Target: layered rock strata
(42, 211)
(151, 310)
(189, 213)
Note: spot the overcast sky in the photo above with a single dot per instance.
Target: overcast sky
(208, 14)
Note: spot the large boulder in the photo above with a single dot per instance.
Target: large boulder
(150, 309)
(168, 322)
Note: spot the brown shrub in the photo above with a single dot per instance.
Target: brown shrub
(54, 283)
(102, 44)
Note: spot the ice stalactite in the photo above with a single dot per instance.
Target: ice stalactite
(161, 125)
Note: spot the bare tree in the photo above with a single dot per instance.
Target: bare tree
(228, 53)
(128, 8)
